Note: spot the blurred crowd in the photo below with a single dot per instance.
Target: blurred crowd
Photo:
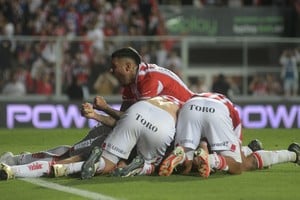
(231, 3)
(283, 82)
(28, 67)
(32, 64)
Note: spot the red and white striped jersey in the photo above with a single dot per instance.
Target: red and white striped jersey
(234, 115)
(152, 80)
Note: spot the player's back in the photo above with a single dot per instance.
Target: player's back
(153, 80)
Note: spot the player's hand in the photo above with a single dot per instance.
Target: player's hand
(87, 110)
(100, 103)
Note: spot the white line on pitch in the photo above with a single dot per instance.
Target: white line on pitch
(79, 192)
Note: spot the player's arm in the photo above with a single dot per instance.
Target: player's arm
(100, 104)
(105, 119)
(88, 111)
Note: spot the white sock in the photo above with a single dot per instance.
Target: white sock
(32, 170)
(189, 154)
(100, 165)
(147, 169)
(246, 150)
(217, 162)
(73, 168)
(276, 157)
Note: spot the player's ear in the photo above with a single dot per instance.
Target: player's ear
(129, 66)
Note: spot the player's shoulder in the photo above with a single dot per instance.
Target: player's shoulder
(152, 70)
(148, 67)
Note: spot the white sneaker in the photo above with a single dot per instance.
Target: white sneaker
(5, 172)
(59, 170)
(8, 158)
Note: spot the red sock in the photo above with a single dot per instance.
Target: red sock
(258, 160)
(222, 164)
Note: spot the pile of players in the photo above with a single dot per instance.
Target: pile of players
(161, 126)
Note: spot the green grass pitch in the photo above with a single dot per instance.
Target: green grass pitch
(278, 183)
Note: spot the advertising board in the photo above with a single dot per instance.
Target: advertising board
(65, 115)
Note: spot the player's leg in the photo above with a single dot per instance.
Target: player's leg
(228, 161)
(187, 138)
(72, 159)
(49, 155)
(32, 170)
(58, 170)
(295, 147)
(264, 159)
(153, 143)
(95, 137)
(175, 158)
(150, 136)
(95, 163)
(8, 158)
(119, 143)
(80, 150)
(253, 145)
(131, 169)
(223, 141)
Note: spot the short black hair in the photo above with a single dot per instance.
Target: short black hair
(127, 52)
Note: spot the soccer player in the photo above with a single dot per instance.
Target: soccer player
(139, 125)
(139, 81)
(143, 80)
(61, 154)
(213, 117)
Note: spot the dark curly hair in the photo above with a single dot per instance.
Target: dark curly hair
(127, 52)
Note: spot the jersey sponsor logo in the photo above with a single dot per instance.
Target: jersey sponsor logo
(145, 123)
(184, 141)
(115, 148)
(84, 144)
(202, 108)
(221, 144)
(34, 166)
(38, 155)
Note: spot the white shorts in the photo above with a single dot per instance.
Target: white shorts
(202, 117)
(150, 128)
